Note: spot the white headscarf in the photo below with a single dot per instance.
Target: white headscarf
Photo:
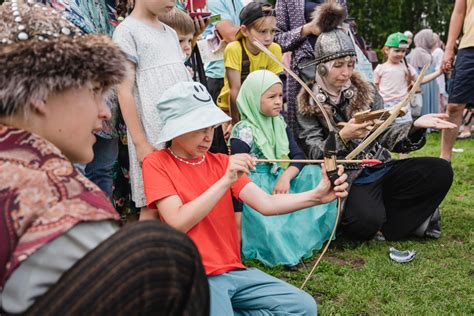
(333, 93)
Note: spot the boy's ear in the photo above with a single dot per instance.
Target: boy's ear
(244, 30)
(38, 106)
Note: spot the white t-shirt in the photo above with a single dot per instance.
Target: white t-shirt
(391, 80)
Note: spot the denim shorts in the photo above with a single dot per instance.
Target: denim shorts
(462, 88)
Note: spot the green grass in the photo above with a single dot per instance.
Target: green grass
(360, 279)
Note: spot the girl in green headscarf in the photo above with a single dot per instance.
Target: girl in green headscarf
(262, 132)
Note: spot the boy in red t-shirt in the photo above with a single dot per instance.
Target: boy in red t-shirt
(192, 191)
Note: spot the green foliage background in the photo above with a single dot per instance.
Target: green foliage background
(379, 18)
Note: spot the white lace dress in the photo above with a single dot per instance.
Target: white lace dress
(159, 65)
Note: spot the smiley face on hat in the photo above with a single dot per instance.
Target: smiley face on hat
(181, 113)
(201, 93)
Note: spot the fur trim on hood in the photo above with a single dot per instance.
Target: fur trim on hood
(362, 99)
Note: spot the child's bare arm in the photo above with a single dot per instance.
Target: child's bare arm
(282, 186)
(431, 76)
(130, 115)
(185, 216)
(233, 76)
(278, 204)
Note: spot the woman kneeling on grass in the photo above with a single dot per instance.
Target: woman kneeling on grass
(192, 191)
(398, 198)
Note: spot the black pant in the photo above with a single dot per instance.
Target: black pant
(397, 203)
(214, 86)
(146, 268)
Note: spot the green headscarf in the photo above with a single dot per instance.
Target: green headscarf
(269, 133)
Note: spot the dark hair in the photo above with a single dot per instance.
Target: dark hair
(168, 144)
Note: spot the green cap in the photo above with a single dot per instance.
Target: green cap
(396, 39)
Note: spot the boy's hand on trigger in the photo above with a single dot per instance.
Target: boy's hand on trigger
(238, 165)
(325, 193)
(282, 186)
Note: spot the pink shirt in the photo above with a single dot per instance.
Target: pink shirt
(391, 80)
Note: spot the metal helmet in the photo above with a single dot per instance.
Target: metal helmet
(332, 45)
(333, 42)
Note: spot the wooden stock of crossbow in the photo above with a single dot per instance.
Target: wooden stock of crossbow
(330, 162)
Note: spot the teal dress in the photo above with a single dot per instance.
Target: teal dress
(283, 239)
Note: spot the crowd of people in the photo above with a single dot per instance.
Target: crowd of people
(108, 114)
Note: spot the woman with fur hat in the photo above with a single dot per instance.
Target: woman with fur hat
(61, 250)
(192, 189)
(397, 198)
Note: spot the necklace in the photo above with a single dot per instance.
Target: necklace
(185, 161)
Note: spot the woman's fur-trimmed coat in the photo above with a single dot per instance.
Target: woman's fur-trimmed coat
(313, 130)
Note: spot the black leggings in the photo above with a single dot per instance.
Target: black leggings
(397, 203)
(146, 268)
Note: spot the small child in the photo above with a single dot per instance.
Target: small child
(257, 22)
(393, 78)
(157, 60)
(191, 189)
(184, 27)
(262, 133)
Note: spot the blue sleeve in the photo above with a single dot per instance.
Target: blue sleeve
(238, 146)
(295, 151)
(218, 7)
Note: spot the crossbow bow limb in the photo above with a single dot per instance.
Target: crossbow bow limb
(394, 113)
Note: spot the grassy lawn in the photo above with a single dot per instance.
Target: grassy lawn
(360, 279)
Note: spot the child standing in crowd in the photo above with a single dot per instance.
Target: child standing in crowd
(393, 78)
(192, 191)
(257, 22)
(262, 133)
(184, 27)
(157, 60)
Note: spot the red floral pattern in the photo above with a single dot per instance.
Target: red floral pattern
(42, 196)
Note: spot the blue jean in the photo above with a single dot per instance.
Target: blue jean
(99, 170)
(253, 292)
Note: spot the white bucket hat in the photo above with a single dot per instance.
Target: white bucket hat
(187, 107)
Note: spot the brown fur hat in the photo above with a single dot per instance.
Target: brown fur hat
(328, 16)
(52, 55)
